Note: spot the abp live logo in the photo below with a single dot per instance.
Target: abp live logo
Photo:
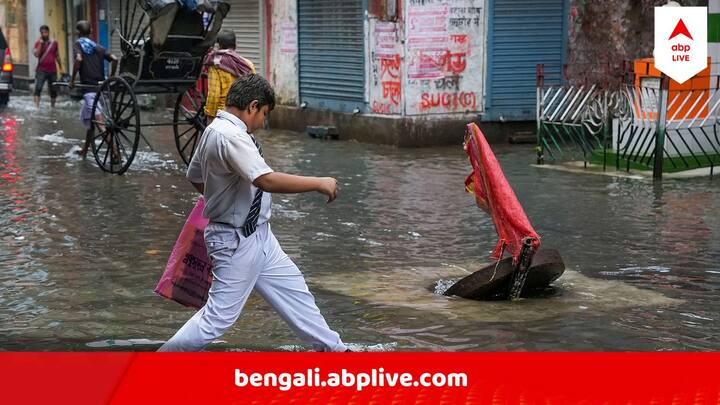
(681, 41)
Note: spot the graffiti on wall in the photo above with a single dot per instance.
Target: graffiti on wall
(427, 40)
(386, 86)
(444, 55)
(282, 66)
(450, 61)
(288, 38)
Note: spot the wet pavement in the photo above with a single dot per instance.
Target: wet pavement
(81, 250)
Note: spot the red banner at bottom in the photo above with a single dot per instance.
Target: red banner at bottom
(432, 378)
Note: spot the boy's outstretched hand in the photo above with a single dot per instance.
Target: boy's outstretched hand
(328, 186)
(275, 182)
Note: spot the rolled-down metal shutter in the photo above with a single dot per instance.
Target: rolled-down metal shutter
(245, 18)
(118, 13)
(523, 33)
(332, 54)
(114, 23)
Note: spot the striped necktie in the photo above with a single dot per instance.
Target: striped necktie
(254, 214)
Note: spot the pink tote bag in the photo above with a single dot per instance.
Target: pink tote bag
(188, 273)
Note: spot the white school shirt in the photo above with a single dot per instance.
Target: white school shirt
(228, 161)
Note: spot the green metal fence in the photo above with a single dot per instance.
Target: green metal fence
(642, 125)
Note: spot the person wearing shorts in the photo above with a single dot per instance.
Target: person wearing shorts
(86, 109)
(89, 63)
(48, 53)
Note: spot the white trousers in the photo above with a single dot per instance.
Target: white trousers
(239, 265)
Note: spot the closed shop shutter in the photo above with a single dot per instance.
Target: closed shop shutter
(246, 20)
(119, 10)
(523, 33)
(332, 54)
(114, 23)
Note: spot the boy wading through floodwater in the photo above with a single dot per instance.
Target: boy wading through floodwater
(229, 169)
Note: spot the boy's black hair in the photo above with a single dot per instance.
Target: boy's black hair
(44, 28)
(83, 27)
(226, 39)
(248, 88)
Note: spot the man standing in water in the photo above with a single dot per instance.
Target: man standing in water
(48, 54)
(229, 169)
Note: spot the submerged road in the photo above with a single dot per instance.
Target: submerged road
(81, 250)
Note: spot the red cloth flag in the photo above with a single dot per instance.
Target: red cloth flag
(493, 194)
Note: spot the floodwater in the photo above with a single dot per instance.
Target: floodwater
(81, 250)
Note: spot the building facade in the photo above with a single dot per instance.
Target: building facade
(374, 69)
(405, 72)
(410, 62)
(21, 21)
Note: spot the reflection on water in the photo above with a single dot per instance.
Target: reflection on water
(81, 251)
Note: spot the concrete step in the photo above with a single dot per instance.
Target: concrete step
(523, 138)
(323, 132)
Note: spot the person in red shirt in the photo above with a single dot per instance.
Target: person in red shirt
(48, 53)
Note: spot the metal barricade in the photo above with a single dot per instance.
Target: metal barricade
(643, 125)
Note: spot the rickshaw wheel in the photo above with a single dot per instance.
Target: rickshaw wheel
(115, 125)
(189, 120)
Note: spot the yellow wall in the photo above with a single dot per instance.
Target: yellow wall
(14, 25)
(55, 19)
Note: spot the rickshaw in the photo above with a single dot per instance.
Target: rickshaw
(163, 44)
